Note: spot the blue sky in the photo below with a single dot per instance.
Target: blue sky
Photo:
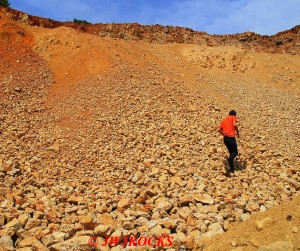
(265, 17)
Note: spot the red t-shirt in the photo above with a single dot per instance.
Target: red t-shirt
(227, 126)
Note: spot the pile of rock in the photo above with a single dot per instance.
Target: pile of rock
(140, 157)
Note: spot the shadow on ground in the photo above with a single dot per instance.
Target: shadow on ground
(240, 164)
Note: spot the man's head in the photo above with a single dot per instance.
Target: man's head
(232, 113)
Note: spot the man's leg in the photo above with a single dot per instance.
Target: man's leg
(225, 139)
(233, 152)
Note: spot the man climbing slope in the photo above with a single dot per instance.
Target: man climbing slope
(228, 128)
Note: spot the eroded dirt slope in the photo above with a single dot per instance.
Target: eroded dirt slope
(103, 136)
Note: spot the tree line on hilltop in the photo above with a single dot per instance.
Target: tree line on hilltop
(4, 3)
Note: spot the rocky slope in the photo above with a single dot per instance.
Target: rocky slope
(282, 42)
(110, 137)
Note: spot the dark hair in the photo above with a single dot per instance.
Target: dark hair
(232, 113)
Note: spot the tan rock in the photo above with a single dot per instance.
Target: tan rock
(124, 204)
(68, 228)
(15, 224)
(27, 242)
(214, 229)
(234, 243)
(162, 178)
(142, 229)
(253, 207)
(23, 218)
(23, 234)
(254, 243)
(37, 232)
(104, 230)
(8, 231)
(190, 184)
(2, 219)
(52, 215)
(75, 243)
(177, 180)
(74, 200)
(154, 171)
(33, 243)
(245, 217)
(49, 240)
(38, 215)
(205, 199)
(163, 203)
(73, 209)
(191, 221)
(85, 233)
(1, 165)
(169, 224)
(59, 236)
(260, 224)
(88, 222)
(191, 239)
(54, 147)
(178, 239)
(32, 223)
(185, 212)
(156, 230)
(106, 219)
(186, 200)
(6, 243)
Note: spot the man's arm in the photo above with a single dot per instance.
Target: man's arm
(236, 129)
(221, 130)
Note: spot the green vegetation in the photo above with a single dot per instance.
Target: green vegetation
(79, 21)
(4, 3)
